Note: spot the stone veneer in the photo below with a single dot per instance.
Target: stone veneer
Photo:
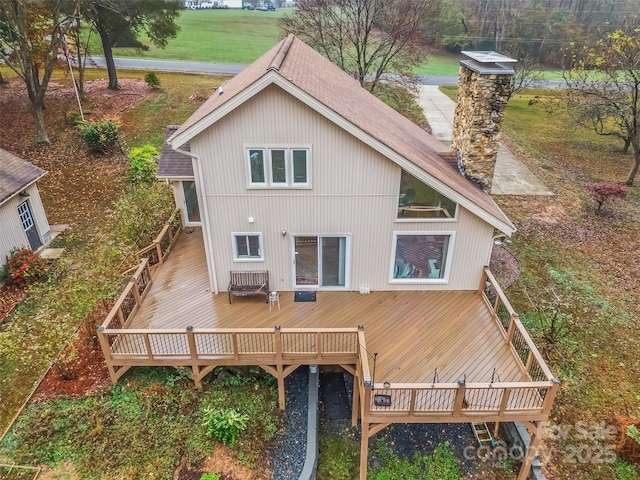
(477, 125)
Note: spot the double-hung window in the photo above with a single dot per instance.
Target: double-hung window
(247, 247)
(279, 167)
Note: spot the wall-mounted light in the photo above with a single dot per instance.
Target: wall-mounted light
(251, 220)
(23, 194)
(284, 233)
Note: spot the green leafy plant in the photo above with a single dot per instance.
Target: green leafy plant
(143, 163)
(24, 267)
(74, 118)
(152, 79)
(101, 134)
(225, 425)
(633, 433)
(210, 476)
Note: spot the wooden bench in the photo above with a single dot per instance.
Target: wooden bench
(242, 284)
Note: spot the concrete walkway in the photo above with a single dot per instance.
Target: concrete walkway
(511, 176)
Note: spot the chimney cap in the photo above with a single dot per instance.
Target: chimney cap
(487, 63)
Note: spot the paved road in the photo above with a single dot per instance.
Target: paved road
(222, 68)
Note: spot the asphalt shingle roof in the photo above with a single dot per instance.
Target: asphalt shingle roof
(16, 174)
(316, 76)
(174, 164)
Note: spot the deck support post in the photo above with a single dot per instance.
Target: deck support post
(356, 399)
(364, 435)
(279, 367)
(193, 352)
(495, 429)
(106, 351)
(535, 431)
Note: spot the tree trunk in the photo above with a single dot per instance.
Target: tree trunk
(627, 144)
(38, 118)
(1, 79)
(634, 169)
(108, 56)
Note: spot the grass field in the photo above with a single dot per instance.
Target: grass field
(240, 37)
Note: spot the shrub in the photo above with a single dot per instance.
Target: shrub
(225, 425)
(101, 134)
(143, 163)
(24, 267)
(152, 79)
(74, 118)
(603, 191)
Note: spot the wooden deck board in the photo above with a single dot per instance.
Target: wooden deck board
(413, 332)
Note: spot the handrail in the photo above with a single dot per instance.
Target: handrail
(159, 248)
(516, 335)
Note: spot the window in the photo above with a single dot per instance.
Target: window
(419, 201)
(300, 167)
(421, 257)
(256, 167)
(247, 246)
(278, 167)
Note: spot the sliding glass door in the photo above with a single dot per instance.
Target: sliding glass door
(321, 261)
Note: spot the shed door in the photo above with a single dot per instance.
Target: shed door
(24, 210)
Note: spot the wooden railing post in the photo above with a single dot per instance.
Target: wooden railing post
(550, 396)
(412, 402)
(159, 252)
(168, 223)
(106, 351)
(458, 403)
(136, 292)
(147, 344)
(193, 353)
(319, 344)
(504, 400)
(512, 327)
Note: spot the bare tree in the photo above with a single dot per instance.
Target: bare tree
(31, 38)
(603, 90)
(366, 38)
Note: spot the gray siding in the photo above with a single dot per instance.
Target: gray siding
(354, 192)
(12, 234)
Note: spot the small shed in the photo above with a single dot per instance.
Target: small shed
(23, 221)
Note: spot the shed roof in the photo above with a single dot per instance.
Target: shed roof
(16, 174)
(309, 76)
(173, 164)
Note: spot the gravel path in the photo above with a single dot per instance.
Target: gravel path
(288, 452)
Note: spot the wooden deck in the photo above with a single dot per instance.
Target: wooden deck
(413, 333)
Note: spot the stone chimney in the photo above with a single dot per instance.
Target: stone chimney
(483, 90)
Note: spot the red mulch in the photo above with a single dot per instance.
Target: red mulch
(80, 368)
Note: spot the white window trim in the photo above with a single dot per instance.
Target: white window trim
(267, 166)
(422, 281)
(235, 248)
(286, 169)
(265, 161)
(308, 169)
(429, 220)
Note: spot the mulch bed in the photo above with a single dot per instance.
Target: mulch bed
(80, 369)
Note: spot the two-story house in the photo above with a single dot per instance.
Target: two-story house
(291, 167)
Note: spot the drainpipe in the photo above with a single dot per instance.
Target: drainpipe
(208, 244)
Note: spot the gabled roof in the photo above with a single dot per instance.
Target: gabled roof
(16, 174)
(174, 164)
(310, 77)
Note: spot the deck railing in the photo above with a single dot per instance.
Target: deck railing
(515, 333)
(202, 347)
(384, 402)
(131, 298)
(157, 250)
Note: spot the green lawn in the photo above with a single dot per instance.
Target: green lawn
(218, 36)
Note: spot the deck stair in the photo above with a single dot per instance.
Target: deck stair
(482, 434)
